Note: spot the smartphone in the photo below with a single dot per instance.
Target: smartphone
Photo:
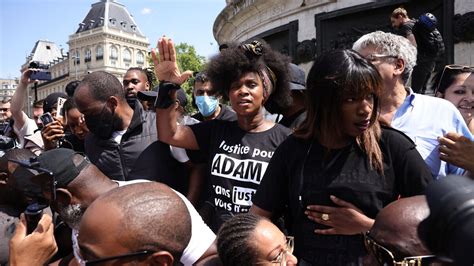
(60, 105)
(40, 75)
(33, 214)
(46, 118)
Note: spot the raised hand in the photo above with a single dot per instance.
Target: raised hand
(166, 67)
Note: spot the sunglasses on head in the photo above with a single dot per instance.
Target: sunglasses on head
(386, 258)
(454, 67)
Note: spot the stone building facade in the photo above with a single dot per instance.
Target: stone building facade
(7, 88)
(304, 28)
(107, 39)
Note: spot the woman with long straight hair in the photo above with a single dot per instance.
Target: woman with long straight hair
(340, 167)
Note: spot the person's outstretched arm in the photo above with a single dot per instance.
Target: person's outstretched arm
(167, 71)
(18, 99)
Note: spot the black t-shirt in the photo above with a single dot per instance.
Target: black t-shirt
(344, 173)
(237, 161)
(226, 114)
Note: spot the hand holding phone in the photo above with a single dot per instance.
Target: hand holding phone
(33, 214)
(46, 118)
(34, 249)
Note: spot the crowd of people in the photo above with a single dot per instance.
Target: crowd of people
(120, 173)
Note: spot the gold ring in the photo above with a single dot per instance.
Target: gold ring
(325, 217)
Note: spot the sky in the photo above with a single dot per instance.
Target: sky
(23, 22)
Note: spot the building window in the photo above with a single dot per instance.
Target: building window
(99, 54)
(127, 56)
(77, 57)
(88, 56)
(113, 53)
(140, 58)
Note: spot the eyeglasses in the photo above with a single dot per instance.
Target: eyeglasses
(375, 57)
(454, 67)
(385, 257)
(281, 258)
(83, 262)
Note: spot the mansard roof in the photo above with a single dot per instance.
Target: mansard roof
(44, 51)
(111, 14)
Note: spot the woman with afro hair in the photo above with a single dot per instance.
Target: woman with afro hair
(250, 75)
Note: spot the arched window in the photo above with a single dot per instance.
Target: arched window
(140, 58)
(127, 56)
(113, 52)
(99, 53)
(88, 55)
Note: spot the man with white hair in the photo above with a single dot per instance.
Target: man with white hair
(422, 118)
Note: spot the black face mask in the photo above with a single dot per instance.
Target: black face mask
(103, 124)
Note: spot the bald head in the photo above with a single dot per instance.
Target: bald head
(396, 225)
(142, 216)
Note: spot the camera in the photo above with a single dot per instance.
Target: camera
(41, 71)
(46, 118)
(33, 215)
(448, 230)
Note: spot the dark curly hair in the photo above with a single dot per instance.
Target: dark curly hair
(234, 240)
(232, 63)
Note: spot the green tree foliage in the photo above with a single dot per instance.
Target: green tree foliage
(187, 59)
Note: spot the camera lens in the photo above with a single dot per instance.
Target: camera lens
(448, 229)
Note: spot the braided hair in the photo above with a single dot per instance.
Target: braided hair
(234, 243)
(145, 71)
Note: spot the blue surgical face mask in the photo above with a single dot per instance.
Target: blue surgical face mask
(206, 104)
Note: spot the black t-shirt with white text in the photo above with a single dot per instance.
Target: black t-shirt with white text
(303, 173)
(237, 161)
